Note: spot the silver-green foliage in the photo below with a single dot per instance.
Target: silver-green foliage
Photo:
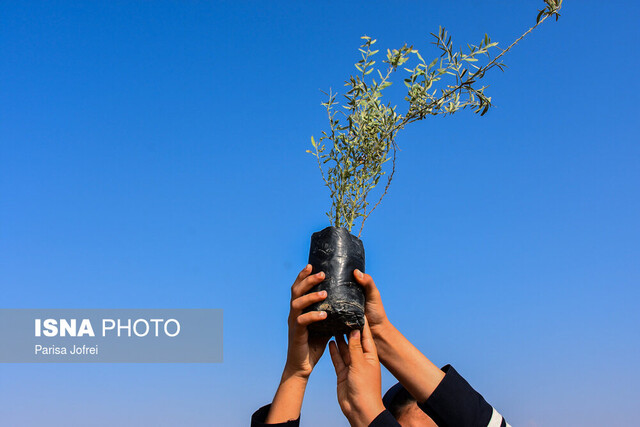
(361, 139)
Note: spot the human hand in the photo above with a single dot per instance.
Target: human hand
(412, 368)
(358, 375)
(374, 310)
(304, 349)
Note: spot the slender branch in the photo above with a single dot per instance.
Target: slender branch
(320, 167)
(493, 62)
(384, 193)
(361, 145)
(478, 73)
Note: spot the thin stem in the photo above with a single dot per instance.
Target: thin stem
(386, 188)
(361, 146)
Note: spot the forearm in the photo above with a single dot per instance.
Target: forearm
(287, 402)
(412, 368)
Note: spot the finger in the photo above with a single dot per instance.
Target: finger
(310, 317)
(303, 273)
(301, 276)
(368, 345)
(306, 300)
(344, 349)
(302, 287)
(355, 345)
(366, 281)
(336, 358)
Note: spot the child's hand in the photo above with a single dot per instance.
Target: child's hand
(374, 310)
(358, 372)
(304, 351)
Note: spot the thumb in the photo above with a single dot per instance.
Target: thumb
(367, 283)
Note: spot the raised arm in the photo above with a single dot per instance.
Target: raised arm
(412, 368)
(303, 353)
(442, 394)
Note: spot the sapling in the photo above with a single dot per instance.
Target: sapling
(360, 148)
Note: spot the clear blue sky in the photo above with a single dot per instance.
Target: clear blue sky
(153, 155)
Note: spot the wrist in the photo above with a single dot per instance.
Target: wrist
(381, 329)
(385, 338)
(295, 374)
(365, 416)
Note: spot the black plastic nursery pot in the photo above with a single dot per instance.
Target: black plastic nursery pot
(337, 253)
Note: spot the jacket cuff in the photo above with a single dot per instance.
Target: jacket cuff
(258, 417)
(455, 403)
(384, 419)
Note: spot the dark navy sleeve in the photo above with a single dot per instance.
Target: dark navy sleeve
(384, 419)
(258, 417)
(454, 403)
